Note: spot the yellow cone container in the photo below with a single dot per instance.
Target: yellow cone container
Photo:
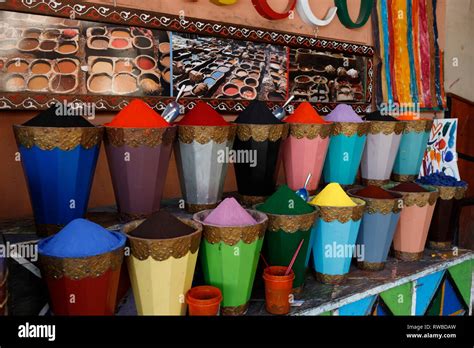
(161, 270)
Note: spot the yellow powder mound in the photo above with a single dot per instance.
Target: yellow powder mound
(333, 196)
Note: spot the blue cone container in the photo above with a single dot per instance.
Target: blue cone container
(377, 229)
(412, 148)
(345, 152)
(59, 178)
(334, 241)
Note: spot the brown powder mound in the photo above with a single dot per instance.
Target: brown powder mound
(409, 187)
(374, 192)
(162, 225)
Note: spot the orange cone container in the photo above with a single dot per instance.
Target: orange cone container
(415, 219)
(278, 288)
(204, 300)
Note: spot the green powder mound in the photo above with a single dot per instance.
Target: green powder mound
(285, 202)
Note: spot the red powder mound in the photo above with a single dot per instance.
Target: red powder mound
(305, 113)
(409, 187)
(203, 115)
(137, 114)
(374, 192)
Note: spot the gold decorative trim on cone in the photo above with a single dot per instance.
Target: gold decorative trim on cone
(49, 138)
(262, 132)
(449, 192)
(403, 177)
(418, 126)
(371, 266)
(235, 311)
(406, 256)
(386, 127)
(440, 245)
(81, 267)
(350, 128)
(329, 278)
(374, 182)
(195, 208)
(291, 223)
(310, 131)
(342, 214)
(206, 134)
(420, 199)
(250, 201)
(231, 235)
(377, 205)
(163, 249)
(46, 230)
(136, 137)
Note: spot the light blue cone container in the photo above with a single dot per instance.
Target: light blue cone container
(335, 235)
(377, 229)
(345, 152)
(412, 148)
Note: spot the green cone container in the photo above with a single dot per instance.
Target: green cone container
(229, 257)
(284, 235)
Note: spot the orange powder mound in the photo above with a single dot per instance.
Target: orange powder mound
(203, 115)
(410, 116)
(138, 114)
(305, 113)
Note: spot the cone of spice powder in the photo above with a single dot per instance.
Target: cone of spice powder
(82, 260)
(228, 228)
(412, 147)
(378, 225)
(258, 144)
(161, 265)
(204, 137)
(58, 155)
(381, 148)
(412, 230)
(304, 151)
(290, 220)
(335, 233)
(138, 143)
(451, 190)
(348, 137)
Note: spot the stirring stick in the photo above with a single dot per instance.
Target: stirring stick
(180, 92)
(290, 266)
(288, 101)
(264, 261)
(307, 180)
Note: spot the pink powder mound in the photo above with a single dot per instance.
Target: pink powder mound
(229, 213)
(343, 113)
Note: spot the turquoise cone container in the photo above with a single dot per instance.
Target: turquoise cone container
(377, 229)
(335, 235)
(412, 148)
(345, 152)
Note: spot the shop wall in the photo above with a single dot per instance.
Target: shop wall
(15, 202)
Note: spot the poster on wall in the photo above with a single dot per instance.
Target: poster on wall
(440, 154)
(319, 76)
(41, 54)
(209, 67)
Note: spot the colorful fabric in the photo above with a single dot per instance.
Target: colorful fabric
(406, 38)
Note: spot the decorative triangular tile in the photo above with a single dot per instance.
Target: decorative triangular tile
(361, 307)
(399, 299)
(425, 290)
(452, 304)
(462, 277)
(434, 309)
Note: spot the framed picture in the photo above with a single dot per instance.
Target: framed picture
(53, 51)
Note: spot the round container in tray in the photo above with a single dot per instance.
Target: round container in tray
(66, 66)
(63, 83)
(32, 33)
(40, 66)
(142, 43)
(119, 32)
(50, 34)
(17, 65)
(67, 47)
(150, 83)
(145, 63)
(96, 31)
(28, 45)
(15, 83)
(124, 83)
(101, 65)
(99, 83)
(120, 43)
(38, 83)
(98, 43)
